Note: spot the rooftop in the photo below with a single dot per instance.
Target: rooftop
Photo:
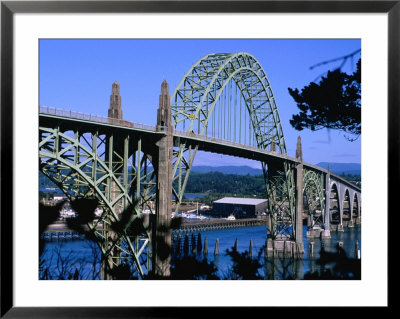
(237, 200)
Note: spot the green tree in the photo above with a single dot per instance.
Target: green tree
(333, 103)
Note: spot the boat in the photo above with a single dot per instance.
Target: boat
(231, 217)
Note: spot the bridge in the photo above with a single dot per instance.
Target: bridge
(224, 104)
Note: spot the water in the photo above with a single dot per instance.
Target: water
(277, 268)
(86, 256)
(61, 259)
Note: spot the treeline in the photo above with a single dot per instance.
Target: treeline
(215, 182)
(45, 182)
(351, 177)
(219, 183)
(354, 179)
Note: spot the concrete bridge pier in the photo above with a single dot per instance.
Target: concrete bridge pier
(299, 204)
(162, 228)
(269, 248)
(282, 245)
(326, 233)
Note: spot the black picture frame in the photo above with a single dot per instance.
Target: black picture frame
(9, 8)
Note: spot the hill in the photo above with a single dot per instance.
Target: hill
(337, 168)
(236, 170)
(342, 168)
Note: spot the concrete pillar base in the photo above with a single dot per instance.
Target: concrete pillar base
(340, 227)
(269, 249)
(351, 223)
(314, 233)
(284, 248)
(300, 249)
(326, 233)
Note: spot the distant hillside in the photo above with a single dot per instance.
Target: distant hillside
(337, 168)
(237, 170)
(340, 168)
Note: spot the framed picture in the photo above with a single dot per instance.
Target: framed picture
(26, 26)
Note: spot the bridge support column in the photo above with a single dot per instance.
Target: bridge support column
(162, 227)
(299, 208)
(341, 203)
(351, 205)
(326, 233)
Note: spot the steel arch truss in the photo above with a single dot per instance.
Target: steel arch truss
(281, 200)
(315, 198)
(194, 104)
(113, 169)
(195, 98)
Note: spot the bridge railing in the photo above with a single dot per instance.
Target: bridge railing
(226, 142)
(93, 118)
(108, 120)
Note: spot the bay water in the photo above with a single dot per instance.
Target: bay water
(61, 257)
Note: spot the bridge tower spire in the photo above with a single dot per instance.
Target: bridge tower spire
(115, 110)
(164, 113)
(299, 152)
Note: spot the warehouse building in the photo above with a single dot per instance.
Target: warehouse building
(240, 207)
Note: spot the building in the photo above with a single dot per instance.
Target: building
(240, 207)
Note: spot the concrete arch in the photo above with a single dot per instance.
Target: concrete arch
(335, 204)
(347, 206)
(355, 209)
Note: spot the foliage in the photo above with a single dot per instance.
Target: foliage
(344, 268)
(354, 179)
(333, 103)
(244, 266)
(216, 182)
(68, 265)
(193, 268)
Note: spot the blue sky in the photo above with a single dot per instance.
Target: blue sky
(78, 74)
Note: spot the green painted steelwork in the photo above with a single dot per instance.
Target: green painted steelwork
(315, 195)
(224, 100)
(228, 96)
(87, 163)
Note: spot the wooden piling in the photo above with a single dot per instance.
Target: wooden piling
(357, 251)
(186, 245)
(216, 249)
(312, 249)
(193, 244)
(205, 251)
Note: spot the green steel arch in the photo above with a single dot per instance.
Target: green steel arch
(194, 100)
(87, 164)
(193, 105)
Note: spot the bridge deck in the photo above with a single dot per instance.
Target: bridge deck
(205, 143)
